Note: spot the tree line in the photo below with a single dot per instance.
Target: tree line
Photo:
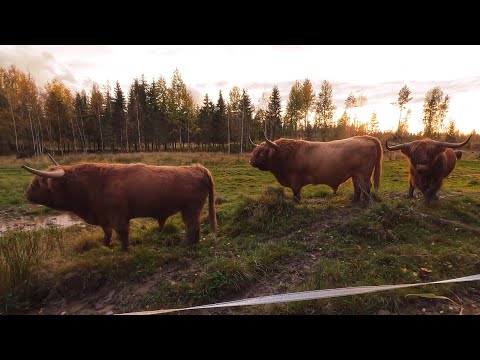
(155, 116)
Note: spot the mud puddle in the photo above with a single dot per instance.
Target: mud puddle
(27, 223)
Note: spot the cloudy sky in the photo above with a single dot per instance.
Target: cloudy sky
(379, 72)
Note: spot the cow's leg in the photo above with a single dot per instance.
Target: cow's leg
(191, 219)
(367, 186)
(107, 238)
(161, 222)
(430, 195)
(296, 194)
(123, 232)
(357, 186)
(411, 188)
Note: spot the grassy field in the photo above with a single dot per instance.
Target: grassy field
(264, 245)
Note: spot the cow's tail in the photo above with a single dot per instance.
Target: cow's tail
(212, 213)
(378, 165)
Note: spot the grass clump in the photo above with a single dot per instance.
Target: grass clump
(21, 253)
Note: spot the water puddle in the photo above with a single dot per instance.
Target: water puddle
(27, 223)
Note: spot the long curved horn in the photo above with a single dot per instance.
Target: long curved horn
(53, 160)
(452, 145)
(48, 174)
(269, 142)
(397, 147)
(254, 145)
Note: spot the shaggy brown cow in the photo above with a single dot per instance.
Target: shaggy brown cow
(109, 195)
(296, 163)
(430, 162)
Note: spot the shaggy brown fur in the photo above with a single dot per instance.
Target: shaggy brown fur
(430, 164)
(296, 163)
(109, 195)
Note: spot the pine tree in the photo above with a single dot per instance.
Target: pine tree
(205, 120)
(452, 133)
(247, 111)
(119, 118)
(273, 115)
(218, 134)
(373, 124)
(342, 126)
(107, 120)
(96, 107)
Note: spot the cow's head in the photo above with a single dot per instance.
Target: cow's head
(47, 187)
(263, 154)
(423, 153)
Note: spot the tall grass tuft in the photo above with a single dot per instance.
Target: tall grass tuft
(264, 214)
(21, 253)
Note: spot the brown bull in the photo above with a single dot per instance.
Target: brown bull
(296, 163)
(109, 195)
(430, 162)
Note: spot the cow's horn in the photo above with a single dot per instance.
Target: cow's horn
(48, 174)
(452, 145)
(396, 147)
(254, 145)
(53, 160)
(271, 143)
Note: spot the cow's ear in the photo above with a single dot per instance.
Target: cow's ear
(270, 151)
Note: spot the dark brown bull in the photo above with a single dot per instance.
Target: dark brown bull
(430, 162)
(296, 163)
(109, 195)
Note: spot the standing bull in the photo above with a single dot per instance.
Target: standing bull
(430, 162)
(296, 163)
(109, 195)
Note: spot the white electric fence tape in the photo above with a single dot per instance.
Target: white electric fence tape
(306, 295)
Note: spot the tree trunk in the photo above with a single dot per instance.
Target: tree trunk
(83, 130)
(241, 137)
(14, 126)
(41, 140)
(100, 126)
(33, 136)
(73, 134)
(138, 122)
(126, 134)
(188, 135)
(82, 140)
(59, 133)
(228, 133)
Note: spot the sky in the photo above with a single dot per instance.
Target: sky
(376, 71)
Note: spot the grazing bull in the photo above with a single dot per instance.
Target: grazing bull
(296, 163)
(109, 195)
(430, 162)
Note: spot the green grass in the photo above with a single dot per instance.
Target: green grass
(264, 244)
